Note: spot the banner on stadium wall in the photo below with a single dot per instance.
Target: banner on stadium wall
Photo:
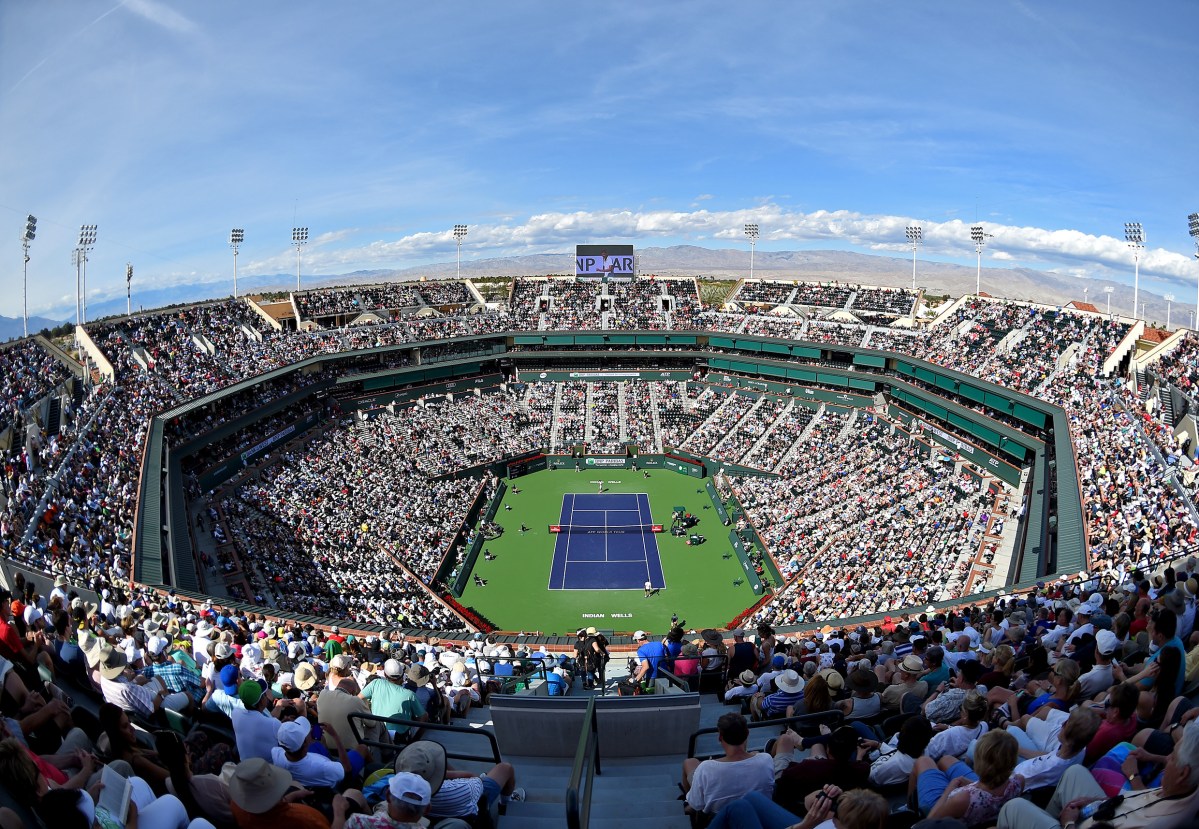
(414, 392)
(684, 466)
(526, 466)
(494, 506)
(983, 460)
(747, 566)
(218, 475)
(530, 375)
(717, 504)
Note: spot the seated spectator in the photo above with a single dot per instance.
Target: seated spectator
(203, 795)
(952, 789)
(904, 681)
(710, 784)
(789, 694)
(1045, 767)
(840, 763)
(650, 655)
(456, 794)
(829, 808)
(896, 758)
(945, 704)
(408, 800)
(1172, 804)
(307, 767)
(863, 702)
(263, 798)
(1119, 723)
(953, 739)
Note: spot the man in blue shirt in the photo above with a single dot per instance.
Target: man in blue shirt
(649, 655)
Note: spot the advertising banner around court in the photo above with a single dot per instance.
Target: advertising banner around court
(494, 506)
(525, 466)
(717, 504)
(530, 375)
(684, 466)
(747, 566)
(468, 566)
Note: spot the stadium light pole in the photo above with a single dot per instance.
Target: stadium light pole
(27, 236)
(915, 237)
(1169, 300)
(459, 235)
(128, 289)
(979, 237)
(1134, 235)
(299, 238)
(751, 233)
(236, 237)
(1193, 221)
(87, 240)
(1108, 290)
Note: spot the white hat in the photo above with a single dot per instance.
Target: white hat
(157, 644)
(293, 734)
(789, 681)
(393, 668)
(1106, 642)
(410, 788)
(639, 635)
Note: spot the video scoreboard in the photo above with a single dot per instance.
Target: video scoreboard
(604, 262)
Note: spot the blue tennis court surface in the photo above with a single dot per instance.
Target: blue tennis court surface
(608, 545)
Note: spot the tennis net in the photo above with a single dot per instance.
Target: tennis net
(604, 529)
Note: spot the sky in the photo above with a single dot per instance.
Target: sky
(380, 125)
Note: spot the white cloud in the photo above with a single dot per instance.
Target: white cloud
(161, 15)
(1070, 250)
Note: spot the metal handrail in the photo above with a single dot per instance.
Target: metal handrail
(583, 771)
(832, 719)
(673, 679)
(386, 748)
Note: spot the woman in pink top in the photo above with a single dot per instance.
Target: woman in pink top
(974, 796)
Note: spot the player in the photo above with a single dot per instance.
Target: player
(649, 589)
(601, 488)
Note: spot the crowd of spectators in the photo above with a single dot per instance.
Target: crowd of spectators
(1063, 706)
(27, 374)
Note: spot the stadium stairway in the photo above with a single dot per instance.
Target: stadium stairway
(637, 792)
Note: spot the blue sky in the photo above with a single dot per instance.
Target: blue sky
(380, 125)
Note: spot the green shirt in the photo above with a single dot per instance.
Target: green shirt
(390, 699)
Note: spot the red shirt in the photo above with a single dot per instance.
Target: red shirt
(11, 645)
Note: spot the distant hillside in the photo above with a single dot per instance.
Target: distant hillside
(724, 263)
(12, 328)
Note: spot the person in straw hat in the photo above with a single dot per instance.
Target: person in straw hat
(790, 692)
(263, 798)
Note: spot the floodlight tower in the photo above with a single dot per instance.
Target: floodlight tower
(27, 236)
(979, 237)
(1134, 235)
(87, 240)
(915, 237)
(459, 235)
(1169, 301)
(299, 238)
(236, 237)
(751, 233)
(1108, 290)
(128, 289)
(1193, 221)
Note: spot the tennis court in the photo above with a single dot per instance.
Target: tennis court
(605, 543)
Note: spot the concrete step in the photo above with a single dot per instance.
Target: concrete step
(611, 809)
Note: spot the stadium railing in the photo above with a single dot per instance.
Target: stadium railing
(391, 749)
(800, 722)
(582, 773)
